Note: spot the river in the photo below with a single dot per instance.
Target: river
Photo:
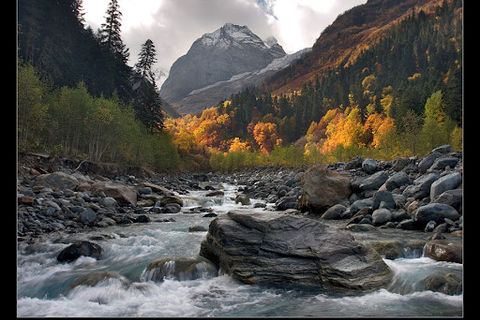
(44, 286)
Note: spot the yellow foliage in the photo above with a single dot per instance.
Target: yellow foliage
(368, 81)
(238, 145)
(414, 76)
(379, 127)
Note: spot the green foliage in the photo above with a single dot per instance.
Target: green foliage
(71, 122)
(286, 156)
(32, 112)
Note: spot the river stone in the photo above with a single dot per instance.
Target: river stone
(323, 188)
(397, 180)
(421, 186)
(394, 249)
(443, 162)
(381, 216)
(171, 208)
(427, 161)
(286, 203)
(334, 213)
(216, 193)
(449, 283)
(258, 248)
(180, 269)
(360, 204)
(446, 148)
(197, 229)
(399, 163)
(354, 163)
(370, 165)
(447, 182)
(80, 248)
(58, 180)
(374, 181)
(243, 199)
(360, 227)
(452, 198)
(444, 250)
(123, 194)
(87, 216)
(436, 212)
(171, 199)
(385, 198)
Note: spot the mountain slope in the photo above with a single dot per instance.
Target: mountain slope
(217, 56)
(342, 42)
(210, 95)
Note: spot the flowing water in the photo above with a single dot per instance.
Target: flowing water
(44, 286)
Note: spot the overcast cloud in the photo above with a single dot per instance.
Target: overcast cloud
(173, 25)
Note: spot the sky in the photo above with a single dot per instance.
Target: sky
(173, 25)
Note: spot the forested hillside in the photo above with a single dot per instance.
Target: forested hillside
(402, 96)
(78, 97)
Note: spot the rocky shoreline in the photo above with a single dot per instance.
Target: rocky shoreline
(406, 193)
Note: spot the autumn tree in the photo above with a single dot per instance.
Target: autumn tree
(238, 145)
(266, 135)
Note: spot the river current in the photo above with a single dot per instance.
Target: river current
(44, 286)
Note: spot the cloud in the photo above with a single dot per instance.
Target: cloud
(173, 25)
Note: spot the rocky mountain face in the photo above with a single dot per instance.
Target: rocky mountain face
(214, 60)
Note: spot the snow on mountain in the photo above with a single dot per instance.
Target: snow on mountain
(276, 64)
(226, 55)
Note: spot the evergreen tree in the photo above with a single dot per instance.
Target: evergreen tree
(146, 100)
(119, 72)
(146, 61)
(110, 31)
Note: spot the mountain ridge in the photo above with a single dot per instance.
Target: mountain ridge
(217, 56)
(352, 32)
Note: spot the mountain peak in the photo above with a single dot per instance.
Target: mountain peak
(270, 41)
(230, 34)
(218, 56)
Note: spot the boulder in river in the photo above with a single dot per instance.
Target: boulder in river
(258, 248)
(323, 188)
(179, 269)
(80, 248)
(436, 212)
(444, 250)
(243, 199)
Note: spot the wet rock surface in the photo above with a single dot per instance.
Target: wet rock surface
(271, 249)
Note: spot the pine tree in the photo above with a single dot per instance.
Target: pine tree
(110, 31)
(146, 61)
(119, 73)
(146, 101)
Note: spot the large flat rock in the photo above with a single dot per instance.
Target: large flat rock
(260, 248)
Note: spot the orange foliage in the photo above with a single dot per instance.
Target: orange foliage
(266, 135)
(379, 126)
(207, 130)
